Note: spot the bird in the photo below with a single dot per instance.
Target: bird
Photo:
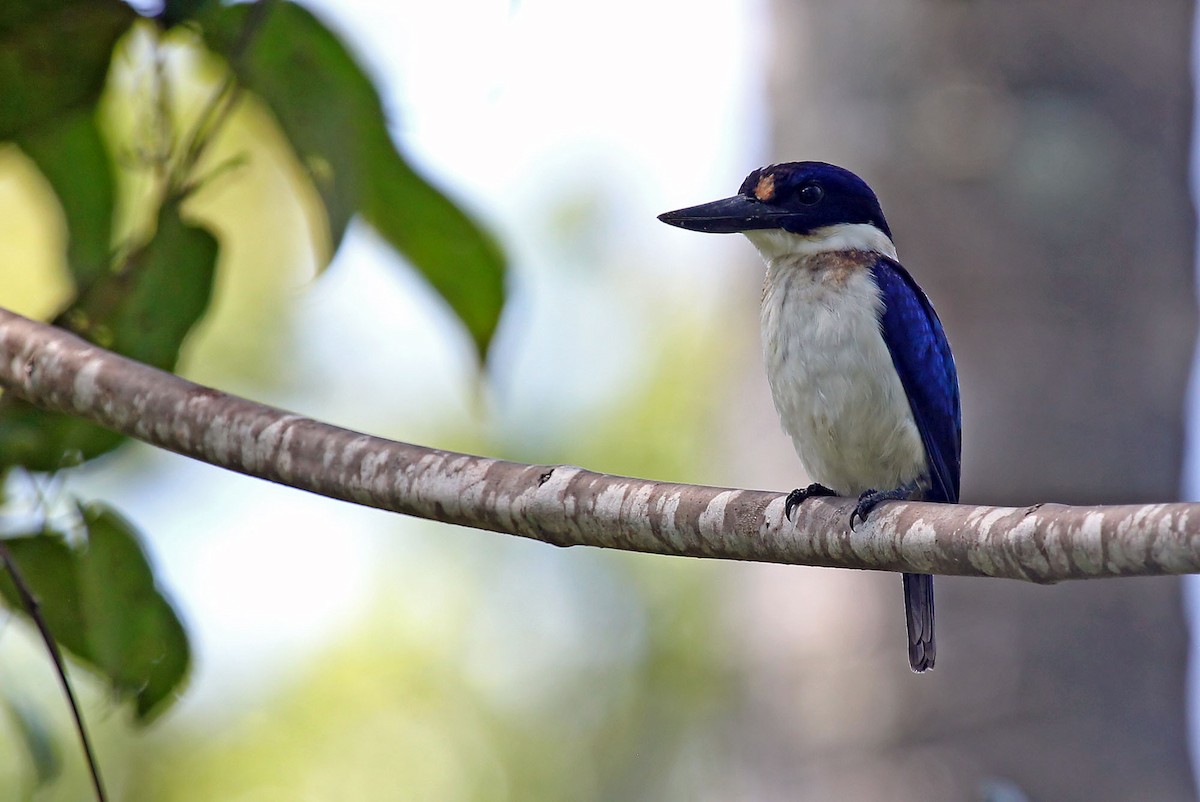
(859, 365)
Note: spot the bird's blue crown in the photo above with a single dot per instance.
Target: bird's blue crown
(799, 197)
(812, 195)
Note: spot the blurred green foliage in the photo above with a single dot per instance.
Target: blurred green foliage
(143, 292)
(54, 56)
(99, 598)
(143, 309)
(69, 151)
(38, 738)
(332, 115)
(387, 714)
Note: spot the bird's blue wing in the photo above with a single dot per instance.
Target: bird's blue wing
(922, 357)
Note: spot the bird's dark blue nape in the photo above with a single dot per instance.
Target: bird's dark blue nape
(799, 197)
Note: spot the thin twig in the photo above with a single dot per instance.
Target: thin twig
(33, 609)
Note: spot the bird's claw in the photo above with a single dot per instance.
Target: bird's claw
(871, 499)
(798, 496)
(868, 501)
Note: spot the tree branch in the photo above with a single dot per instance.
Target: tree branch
(569, 506)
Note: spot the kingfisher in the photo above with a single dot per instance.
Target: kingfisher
(859, 366)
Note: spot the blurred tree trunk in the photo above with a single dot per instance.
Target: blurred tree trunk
(1032, 159)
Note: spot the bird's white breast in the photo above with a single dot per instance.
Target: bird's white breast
(834, 385)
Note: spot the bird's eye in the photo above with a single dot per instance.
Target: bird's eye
(810, 194)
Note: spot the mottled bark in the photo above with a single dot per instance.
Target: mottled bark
(569, 506)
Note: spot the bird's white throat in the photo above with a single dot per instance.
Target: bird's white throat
(774, 243)
(838, 395)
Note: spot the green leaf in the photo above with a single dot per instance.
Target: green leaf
(133, 633)
(144, 310)
(463, 263)
(148, 306)
(331, 113)
(48, 441)
(316, 91)
(48, 565)
(54, 57)
(176, 11)
(102, 605)
(70, 153)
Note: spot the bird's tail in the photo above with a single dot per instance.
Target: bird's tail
(918, 613)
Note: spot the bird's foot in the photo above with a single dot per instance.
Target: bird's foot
(871, 499)
(798, 496)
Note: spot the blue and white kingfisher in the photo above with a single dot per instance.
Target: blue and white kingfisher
(859, 366)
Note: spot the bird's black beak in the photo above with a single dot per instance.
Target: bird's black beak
(726, 216)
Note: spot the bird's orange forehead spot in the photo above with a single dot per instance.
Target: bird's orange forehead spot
(765, 189)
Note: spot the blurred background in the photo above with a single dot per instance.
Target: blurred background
(1033, 163)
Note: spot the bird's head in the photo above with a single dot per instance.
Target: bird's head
(796, 207)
